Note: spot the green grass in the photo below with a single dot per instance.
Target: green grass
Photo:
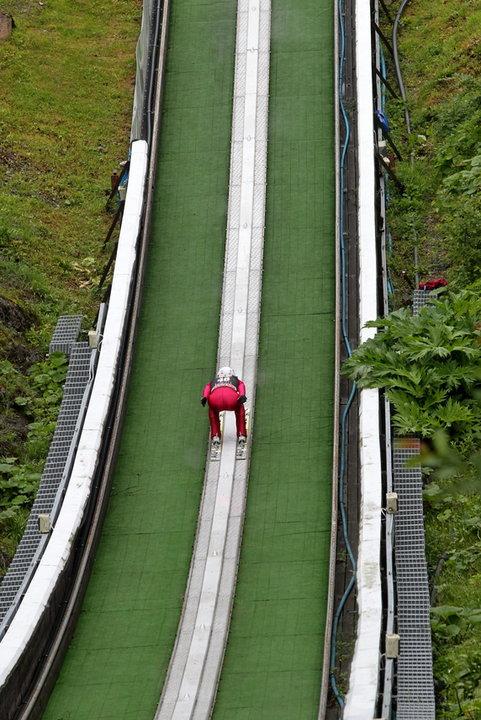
(67, 74)
(67, 90)
(439, 46)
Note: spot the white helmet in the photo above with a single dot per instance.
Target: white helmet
(225, 371)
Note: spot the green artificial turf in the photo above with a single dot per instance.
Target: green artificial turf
(116, 665)
(121, 649)
(272, 668)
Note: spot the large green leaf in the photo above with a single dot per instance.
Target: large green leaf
(429, 365)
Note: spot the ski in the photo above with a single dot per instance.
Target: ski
(215, 452)
(241, 450)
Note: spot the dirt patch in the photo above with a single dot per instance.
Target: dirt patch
(13, 430)
(15, 317)
(23, 356)
(6, 25)
(12, 160)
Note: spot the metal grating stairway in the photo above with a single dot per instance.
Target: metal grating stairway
(54, 478)
(65, 333)
(420, 299)
(415, 688)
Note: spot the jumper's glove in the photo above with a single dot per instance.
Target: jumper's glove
(203, 401)
(242, 399)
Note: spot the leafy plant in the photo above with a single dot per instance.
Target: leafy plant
(19, 476)
(429, 366)
(465, 181)
(452, 524)
(449, 620)
(18, 484)
(457, 469)
(46, 379)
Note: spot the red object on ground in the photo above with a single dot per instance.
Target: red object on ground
(222, 397)
(432, 284)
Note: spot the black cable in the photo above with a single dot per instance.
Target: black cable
(397, 64)
(156, 20)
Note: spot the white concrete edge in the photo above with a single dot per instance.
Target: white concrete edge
(58, 549)
(364, 675)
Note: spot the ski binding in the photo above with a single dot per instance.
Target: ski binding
(241, 451)
(215, 452)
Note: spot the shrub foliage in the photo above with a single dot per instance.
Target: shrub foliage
(429, 366)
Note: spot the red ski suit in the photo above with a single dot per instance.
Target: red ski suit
(223, 393)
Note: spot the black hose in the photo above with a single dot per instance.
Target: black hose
(397, 65)
(156, 23)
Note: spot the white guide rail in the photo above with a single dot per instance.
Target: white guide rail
(364, 677)
(191, 683)
(38, 595)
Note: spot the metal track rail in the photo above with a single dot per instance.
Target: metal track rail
(190, 688)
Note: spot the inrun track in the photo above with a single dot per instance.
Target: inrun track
(119, 656)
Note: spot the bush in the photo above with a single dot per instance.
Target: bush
(429, 366)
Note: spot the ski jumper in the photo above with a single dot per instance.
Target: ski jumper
(226, 392)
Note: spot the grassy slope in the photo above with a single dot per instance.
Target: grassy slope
(440, 47)
(440, 51)
(67, 88)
